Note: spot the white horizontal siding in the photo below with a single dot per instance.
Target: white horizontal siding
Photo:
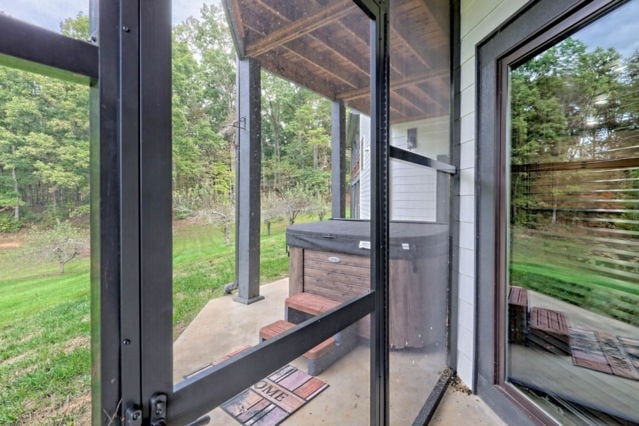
(478, 19)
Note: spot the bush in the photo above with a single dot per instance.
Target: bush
(9, 223)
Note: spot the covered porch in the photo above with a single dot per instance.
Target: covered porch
(223, 326)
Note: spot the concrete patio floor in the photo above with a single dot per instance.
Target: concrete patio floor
(224, 325)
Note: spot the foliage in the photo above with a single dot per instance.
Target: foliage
(9, 224)
(567, 104)
(295, 201)
(44, 139)
(272, 209)
(320, 207)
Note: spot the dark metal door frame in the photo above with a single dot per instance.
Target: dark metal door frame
(193, 397)
(131, 255)
(533, 28)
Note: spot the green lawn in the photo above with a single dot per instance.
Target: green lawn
(572, 271)
(44, 319)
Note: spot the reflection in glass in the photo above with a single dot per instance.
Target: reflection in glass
(45, 358)
(573, 296)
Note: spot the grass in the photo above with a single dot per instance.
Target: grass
(45, 326)
(568, 271)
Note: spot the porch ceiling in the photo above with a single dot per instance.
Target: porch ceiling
(324, 45)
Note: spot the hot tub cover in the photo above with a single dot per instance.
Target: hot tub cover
(408, 240)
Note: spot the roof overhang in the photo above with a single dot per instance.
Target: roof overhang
(324, 45)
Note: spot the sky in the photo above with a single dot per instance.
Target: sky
(50, 13)
(618, 29)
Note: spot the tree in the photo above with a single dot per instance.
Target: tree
(295, 201)
(44, 134)
(61, 244)
(565, 106)
(272, 209)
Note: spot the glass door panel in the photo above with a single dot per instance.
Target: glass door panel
(572, 240)
(419, 202)
(254, 255)
(45, 332)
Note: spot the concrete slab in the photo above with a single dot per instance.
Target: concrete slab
(224, 325)
(460, 408)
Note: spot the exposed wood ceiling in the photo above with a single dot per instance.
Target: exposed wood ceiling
(324, 45)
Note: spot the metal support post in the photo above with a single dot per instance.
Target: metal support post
(249, 165)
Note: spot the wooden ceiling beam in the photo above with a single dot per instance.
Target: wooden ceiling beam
(424, 94)
(233, 17)
(363, 106)
(299, 49)
(437, 90)
(415, 96)
(272, 62)
(396, 119)
(402, 103)
(355, 35)
(300, 27)
(421, 56)
(396, 84)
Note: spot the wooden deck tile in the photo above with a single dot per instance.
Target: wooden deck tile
(549, 330)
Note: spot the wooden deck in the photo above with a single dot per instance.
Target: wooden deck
(556, 374)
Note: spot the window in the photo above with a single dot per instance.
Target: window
(572, 229)
(556, 213)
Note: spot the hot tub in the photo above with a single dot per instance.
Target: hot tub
(331, 258)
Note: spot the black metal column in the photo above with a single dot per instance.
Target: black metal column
(129, 162)
(380, 215)
(105, 218)
(338, 160)
(249, 165)
(155, 201)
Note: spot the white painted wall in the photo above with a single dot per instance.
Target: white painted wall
(478, 19)
(413, 189)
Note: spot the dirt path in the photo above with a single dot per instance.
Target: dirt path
(10, 245)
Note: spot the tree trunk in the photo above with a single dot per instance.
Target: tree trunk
(268, 228)
(275, 117)
(54, 204)
(227, 232)
(14, 176)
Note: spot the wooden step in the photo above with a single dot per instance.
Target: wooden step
(323, 355)
(302, 306)
(275, 328)
(311, 303)
(280, 326)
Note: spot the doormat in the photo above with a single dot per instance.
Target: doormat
(271, 400)
(605, 353)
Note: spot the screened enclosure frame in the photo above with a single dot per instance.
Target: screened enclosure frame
(131, 215)
(146, 194)
(536, 26)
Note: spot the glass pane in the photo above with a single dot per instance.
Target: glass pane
(298, 56)
(573, 294)
(68, 17)
(419, 203)
(44, 250)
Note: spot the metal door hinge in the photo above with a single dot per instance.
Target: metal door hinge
(158, 409)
